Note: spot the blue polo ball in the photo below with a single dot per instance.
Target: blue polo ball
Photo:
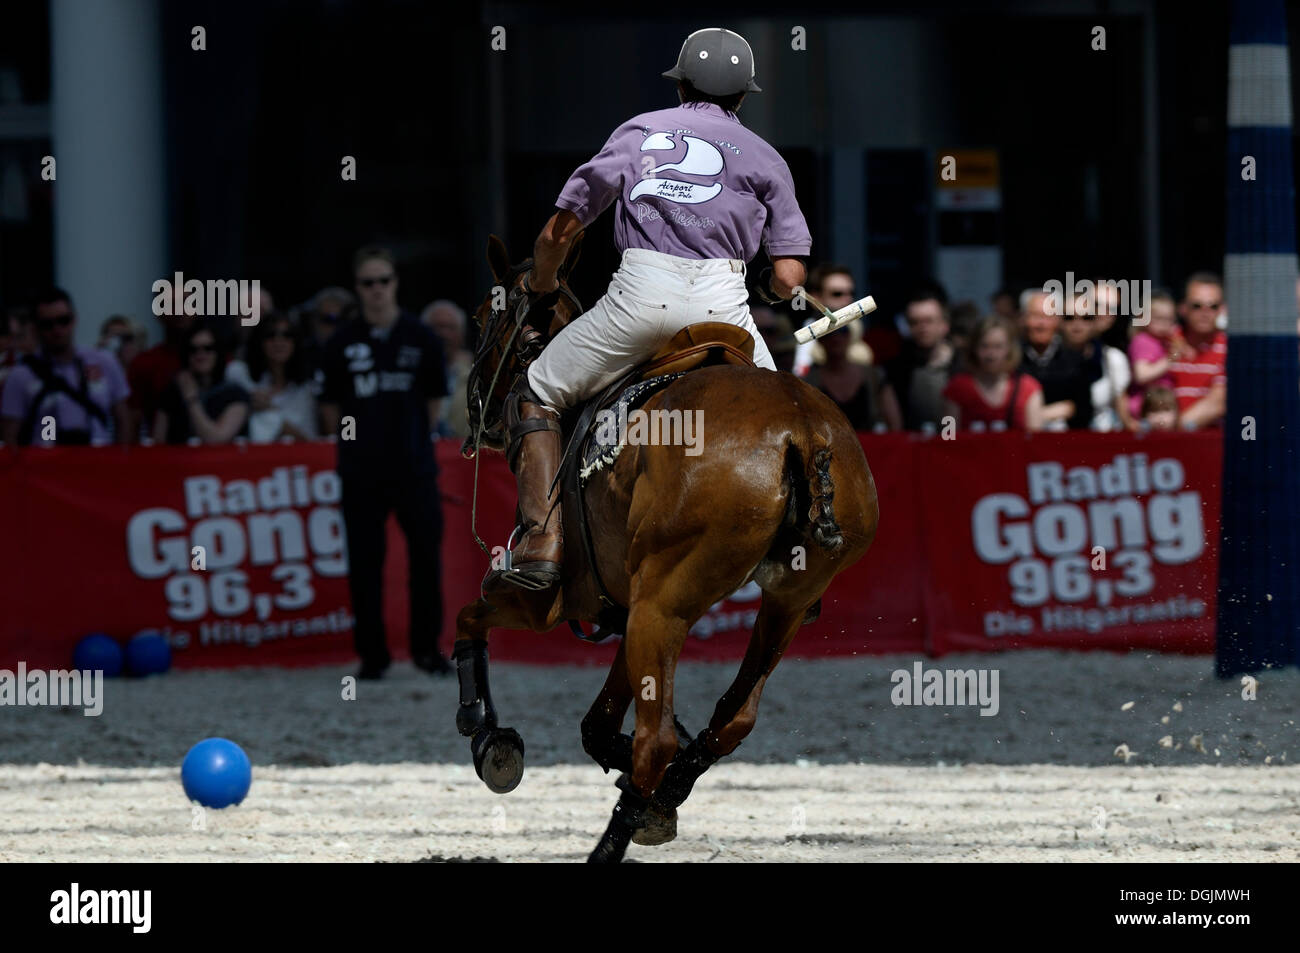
(97, 652)
(216, 773)
(148, 654)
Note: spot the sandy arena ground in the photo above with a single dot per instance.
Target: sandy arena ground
(833, 772)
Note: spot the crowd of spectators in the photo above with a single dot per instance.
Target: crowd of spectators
(209, 380)
(1033, 362)
(1023, 365)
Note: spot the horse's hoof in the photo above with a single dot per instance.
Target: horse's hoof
(659, 827)
(499, 758)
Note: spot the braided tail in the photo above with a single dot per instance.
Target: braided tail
(810, 472)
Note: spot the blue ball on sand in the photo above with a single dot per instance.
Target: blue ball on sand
(148, 654)
(216, 773)
(97, 652)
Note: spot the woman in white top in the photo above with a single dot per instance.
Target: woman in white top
(275, 374)
(1110, 407)
(1082, 331)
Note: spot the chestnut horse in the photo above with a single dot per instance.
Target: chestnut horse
(780, 495)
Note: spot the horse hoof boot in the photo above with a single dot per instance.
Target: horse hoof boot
(659, 827)
(499, 758)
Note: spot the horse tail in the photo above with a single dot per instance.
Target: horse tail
(808, 466)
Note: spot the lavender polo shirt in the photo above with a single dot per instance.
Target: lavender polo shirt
(105, 385)
(691, 181)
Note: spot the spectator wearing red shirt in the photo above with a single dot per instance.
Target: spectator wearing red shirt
(996, 391)
(152, 371)
(1198, 363)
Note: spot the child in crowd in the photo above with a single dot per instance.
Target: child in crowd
(1153, 349)
(1159, 409)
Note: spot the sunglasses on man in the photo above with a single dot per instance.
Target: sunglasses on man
(371, 282)
(49, 324)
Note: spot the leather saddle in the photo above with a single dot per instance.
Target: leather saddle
(699, 345)
(705, 344)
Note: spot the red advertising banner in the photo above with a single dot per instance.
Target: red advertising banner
(1075, 541)
(985, 542)
(110, 540)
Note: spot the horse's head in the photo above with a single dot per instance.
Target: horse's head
(513, 327)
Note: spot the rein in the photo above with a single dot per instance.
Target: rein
(522, 304)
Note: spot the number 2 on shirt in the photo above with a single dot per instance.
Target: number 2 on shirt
(702, 158)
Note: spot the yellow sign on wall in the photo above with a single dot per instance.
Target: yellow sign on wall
(966, 169)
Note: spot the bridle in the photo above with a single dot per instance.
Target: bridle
(514, 313)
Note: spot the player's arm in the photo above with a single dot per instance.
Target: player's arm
(787, 274)
(552, 248)
(590, 190)
(785, 233)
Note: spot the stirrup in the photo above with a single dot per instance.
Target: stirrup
(522, 576)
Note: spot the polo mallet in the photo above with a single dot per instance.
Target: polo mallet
(831, 320)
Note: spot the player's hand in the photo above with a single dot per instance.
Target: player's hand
(764, 287)
(533, 284)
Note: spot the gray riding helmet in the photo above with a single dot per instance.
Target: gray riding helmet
(717, 62)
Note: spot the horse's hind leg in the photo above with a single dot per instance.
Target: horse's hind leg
(498, 752)
(654, 640)
(779, 618)
(602, 735)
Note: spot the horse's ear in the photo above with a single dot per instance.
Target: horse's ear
(571, 259)
(498, 259)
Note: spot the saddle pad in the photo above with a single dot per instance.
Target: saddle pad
(602, 444)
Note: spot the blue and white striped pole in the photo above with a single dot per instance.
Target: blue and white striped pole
(1259, 556)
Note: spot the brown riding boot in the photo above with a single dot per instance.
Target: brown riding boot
(534, 456)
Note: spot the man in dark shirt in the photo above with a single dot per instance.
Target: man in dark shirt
(920, 372)
(384, 378)
(1065, 375)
